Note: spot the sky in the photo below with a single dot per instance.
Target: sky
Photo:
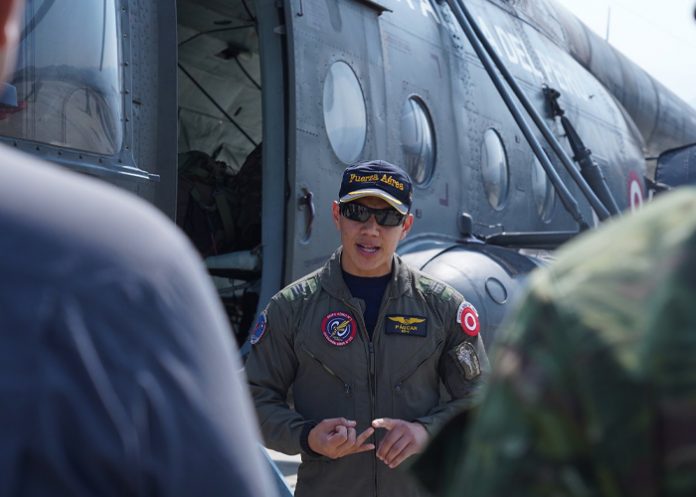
(658, 35)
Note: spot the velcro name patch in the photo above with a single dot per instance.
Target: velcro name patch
(406, 325)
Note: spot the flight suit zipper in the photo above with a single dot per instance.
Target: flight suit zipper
(373, 370)
(372, 382)
(371, 348)
(370, 355)
(372, 365)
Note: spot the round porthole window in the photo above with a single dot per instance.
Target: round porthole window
(345, 116)
(542, 191)
(494, 169)
(417, 141)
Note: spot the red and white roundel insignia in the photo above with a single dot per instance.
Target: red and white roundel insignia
(635, 191)
(339, 328)
(468, 319)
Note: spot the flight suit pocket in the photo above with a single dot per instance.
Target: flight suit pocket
(416, 390)
(322, 390)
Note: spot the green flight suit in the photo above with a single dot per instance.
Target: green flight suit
(312, 338)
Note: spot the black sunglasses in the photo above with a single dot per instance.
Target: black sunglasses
(361, 213)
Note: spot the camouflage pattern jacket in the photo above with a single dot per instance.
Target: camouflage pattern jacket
(594, 385)
(312, 337)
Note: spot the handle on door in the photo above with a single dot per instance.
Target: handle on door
(307, 202)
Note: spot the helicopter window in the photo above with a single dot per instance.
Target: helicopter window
(345, 116)
(542, 191)
(494, 168)
(67, 83)
(417, 140)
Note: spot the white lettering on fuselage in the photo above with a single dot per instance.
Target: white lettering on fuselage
(512, 48)
(489, 36)
(507, 45)
(425, 8)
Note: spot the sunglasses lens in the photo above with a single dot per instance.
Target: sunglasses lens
(389, 217)
(361, 213)
(355, 212)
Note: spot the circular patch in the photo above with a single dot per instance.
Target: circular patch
(339, 328)
(259, 329)
(467, 317)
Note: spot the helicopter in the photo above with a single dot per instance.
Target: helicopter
(519, 127)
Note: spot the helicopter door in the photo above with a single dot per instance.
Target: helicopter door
(334, 67)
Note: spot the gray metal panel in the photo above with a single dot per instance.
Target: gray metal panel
(321, 33)
(677, 167)
(153, 94)
(422, 61)
(273, 67)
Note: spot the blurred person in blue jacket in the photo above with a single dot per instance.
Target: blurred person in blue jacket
(118, 374)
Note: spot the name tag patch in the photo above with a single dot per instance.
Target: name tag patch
(406, 325)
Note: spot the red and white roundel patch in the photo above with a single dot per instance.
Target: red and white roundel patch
(339, 328)
(468, 319)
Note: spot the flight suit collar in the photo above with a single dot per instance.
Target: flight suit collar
(331, 278)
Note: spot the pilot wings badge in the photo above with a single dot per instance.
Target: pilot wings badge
(406, 325)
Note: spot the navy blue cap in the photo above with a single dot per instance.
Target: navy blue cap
(377, 178)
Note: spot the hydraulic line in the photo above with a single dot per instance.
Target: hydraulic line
(564, 194)
(475, 35)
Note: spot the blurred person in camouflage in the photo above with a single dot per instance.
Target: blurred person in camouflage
(594, 384)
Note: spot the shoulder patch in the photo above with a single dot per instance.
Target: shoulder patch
(259, 329)
(468, 319)
(302, 289)
(468, 360)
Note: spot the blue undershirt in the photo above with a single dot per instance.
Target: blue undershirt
(371, 291)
